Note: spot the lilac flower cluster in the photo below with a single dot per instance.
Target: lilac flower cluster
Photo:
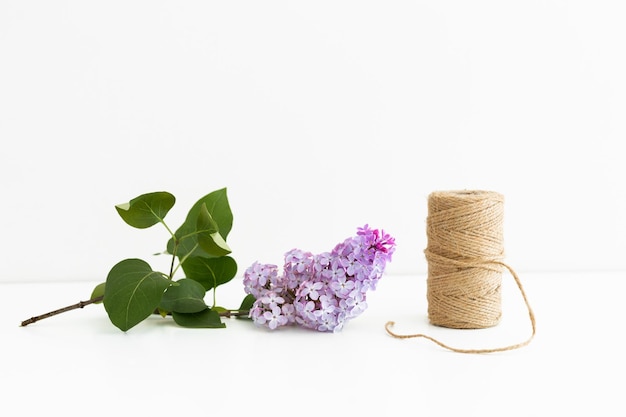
(323, 291)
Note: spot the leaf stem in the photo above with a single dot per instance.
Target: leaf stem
(167, 228)
(172, 270)
(184, 258)
(80, 304)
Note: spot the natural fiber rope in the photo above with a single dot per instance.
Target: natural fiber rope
(464, 253)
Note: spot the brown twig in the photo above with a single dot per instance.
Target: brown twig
(234, 313)
(61, 310)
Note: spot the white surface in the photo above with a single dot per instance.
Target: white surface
(78, 363)
(318, 117)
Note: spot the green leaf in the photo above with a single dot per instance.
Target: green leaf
(218, 207)
(219, 309)
(187, 297)
(98, 292)
(147, 209)
(205, 222)
(213, 244)
(132, 292)
(246, 304)
(209, 238)
(210, 272)
(206, 318)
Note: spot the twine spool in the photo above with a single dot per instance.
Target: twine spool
(465, 253)
(464, 230)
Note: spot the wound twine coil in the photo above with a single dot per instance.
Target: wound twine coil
(465, 253)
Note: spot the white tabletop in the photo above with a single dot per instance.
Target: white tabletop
(78, 363)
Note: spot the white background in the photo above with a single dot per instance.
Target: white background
(318, 117)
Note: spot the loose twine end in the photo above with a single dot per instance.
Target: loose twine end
(390, 324)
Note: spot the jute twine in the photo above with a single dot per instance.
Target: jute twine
(465, 255)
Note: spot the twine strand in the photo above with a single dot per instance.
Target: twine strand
(389, 325)
(464, 253)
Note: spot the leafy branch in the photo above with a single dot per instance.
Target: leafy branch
(133, 290)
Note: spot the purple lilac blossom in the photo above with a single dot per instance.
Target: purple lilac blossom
(320, 292)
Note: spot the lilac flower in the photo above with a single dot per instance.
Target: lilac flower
(309, 289)
(274, 318)
(272, 299)
(327, 322)
(256, 314)
(257, 277)
(351, 264)
(335, 270)
(289, 312)
(328, 305)
(298, 260)
(342, 286)
(356, 303)
(320, 292)
(321, 261)
(304, 310)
